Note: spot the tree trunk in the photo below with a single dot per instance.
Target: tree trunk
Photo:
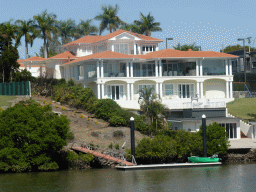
(45, 48)
(26, 50)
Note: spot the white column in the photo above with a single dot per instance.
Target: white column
(197, 67)
(128, 91)
(202, 90)
(157, 48)
(127, 69)
(98, 69)
(227, 89)
(231, 89)
(102, 90)
(98, 89)
(101, 69)
(135, 50)
(131, 69)
(226, 62)
(156, 68)
(157, 89)
(161, 90)
(201, 67)
(197, 89)
(112, 47)
(230, 67)
(132, 91)
(139, 49)
(160, 68)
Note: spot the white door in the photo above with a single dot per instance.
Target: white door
(115, 92)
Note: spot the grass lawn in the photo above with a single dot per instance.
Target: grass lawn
(243, 108)
(4, 99)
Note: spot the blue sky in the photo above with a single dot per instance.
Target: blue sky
(211, 24)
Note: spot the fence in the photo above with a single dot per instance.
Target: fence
(15, 88)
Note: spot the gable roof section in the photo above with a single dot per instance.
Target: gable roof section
(95, 38)
(103, 55)
(172, 53)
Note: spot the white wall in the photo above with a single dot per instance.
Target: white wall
(214, 88)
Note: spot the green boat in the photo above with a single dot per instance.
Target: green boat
(195, 159)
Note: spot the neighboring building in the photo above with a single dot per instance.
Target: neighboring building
(238, 64)
(189, 83)
(35, 65)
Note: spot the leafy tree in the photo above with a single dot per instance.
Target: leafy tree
(8, 62)
(46, 23)
(84, 28)
(109, 19)
(30, 137)
(147, 24)
(54, 47)
(27, 29)
(235, 48)
(23, 75)
(217, 140)
(131, 27)
(185, 47)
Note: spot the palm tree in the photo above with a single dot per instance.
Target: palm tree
(66, 30)
(131, 27)
(9, 32)
(27, 29)
(147, 24)
(151, 105)
(84, 28)
(46, 23)
(109, 19)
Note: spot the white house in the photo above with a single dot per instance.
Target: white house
(119, 64)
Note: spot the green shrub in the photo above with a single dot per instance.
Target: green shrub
(49, 166)
(70, 136)
(140, 125)
(116, 121)
(117, 146)
(110, 146)
(106, 108)
(31, 136)
(118, 134)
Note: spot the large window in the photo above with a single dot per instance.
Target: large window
(115, 92)
(121, 48)
(230, 129)
(168, 89)
(147, 86)
(169, 68)
(114, 69)
(91, 71)
(186, 90)
(143, 69)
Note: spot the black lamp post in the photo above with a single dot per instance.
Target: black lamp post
(204, 135)
(168, 39)
(132, 137)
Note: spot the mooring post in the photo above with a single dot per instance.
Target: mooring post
(132, 137)
(204, 135)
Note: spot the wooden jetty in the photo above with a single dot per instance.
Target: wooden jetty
(108, 157)
(165, 166)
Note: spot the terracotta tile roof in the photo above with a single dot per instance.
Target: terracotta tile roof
(171, 53)
(64, 55)
(20, 60)
(103, 55)
(35, 58)
(96, 38)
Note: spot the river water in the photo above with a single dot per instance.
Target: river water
(231, 177)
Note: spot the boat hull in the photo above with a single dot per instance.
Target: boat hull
(203, 159)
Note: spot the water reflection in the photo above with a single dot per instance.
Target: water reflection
(222, 178)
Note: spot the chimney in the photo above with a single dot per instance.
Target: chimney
(68, 58)
(190, 50)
